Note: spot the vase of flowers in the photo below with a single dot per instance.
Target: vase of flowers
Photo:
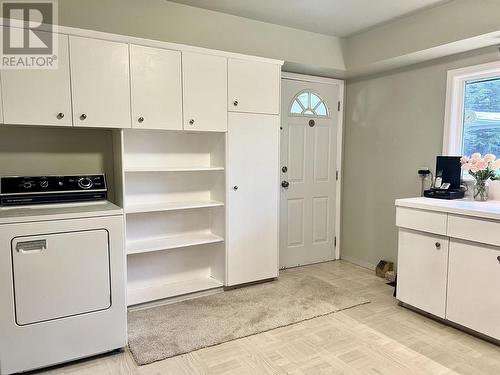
(482, 169)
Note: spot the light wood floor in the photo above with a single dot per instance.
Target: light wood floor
(377, 338)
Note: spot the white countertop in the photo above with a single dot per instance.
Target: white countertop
(467, 207)
(10, 215)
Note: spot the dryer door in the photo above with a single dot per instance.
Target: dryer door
(59, 275)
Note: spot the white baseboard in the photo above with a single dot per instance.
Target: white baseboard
(358, 262)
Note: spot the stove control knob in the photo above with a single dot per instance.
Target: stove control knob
(44, 183)
(27, 184)
(85, 183)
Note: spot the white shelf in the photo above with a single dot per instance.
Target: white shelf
(170, 206)
(171, 242)
(171, 169)
(156, 292)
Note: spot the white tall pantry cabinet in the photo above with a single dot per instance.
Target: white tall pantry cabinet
(253, 196)
(196, 159)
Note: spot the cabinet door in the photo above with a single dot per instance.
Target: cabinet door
(253, 87)
(422, 268)
(39, 96)
(204, 80)
(100, 83)
(156, 88)
(473, 282)
(253, 196)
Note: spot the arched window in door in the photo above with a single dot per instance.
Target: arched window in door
(309, 104)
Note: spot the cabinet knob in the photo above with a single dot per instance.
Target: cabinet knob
(60, 115)
(235, 187)
(498, 258)
(438, 245)
(141, 120)
(191, 122)
(83, 116)
(235, 103)
(285, 184)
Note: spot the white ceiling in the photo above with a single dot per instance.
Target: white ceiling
(330, 17)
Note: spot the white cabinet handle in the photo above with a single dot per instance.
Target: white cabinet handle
(35, 246)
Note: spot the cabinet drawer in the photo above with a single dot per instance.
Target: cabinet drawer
(472, 229)
(425, 221)
(473, 280)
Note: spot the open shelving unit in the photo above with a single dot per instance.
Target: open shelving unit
(174, 198)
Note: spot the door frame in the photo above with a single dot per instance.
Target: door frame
(340, 145)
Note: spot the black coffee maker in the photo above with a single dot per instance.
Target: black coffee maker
(447, 184)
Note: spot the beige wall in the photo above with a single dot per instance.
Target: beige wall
(172, 22)
(32, 151)
(393, 127)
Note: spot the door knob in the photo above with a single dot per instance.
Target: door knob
(285, 184)
(141, 120)
(60, 116)
(83, 116)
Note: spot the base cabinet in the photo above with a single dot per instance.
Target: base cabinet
(422, 268)
(449, 265)
(473, 282)
(252, 197)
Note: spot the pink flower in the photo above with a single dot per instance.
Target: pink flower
(495, 165)
(466, 167)
(476, 156)
(489, 157)
(464, 159)
(473, 168)
(481, 165)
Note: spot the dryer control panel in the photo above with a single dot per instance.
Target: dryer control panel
(24, 190)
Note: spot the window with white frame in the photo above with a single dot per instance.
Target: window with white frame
(472, 120)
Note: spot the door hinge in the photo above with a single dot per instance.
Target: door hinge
(335, 241)
(336, 175)
(338, 106)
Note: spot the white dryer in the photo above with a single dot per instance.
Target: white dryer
(62, 283)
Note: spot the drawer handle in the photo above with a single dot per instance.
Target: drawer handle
(438, 245)
(35, 246)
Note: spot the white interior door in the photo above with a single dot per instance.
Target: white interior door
(310, 123)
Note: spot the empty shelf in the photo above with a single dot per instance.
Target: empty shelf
(156, 292)
(171, 169)
(172, 242)
(170, 206)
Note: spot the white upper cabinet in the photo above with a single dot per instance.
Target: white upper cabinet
(156, 88)
(100, 83)
(204, 80)
(253, 86)
(39, 96)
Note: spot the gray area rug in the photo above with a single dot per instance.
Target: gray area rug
(165, 331)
